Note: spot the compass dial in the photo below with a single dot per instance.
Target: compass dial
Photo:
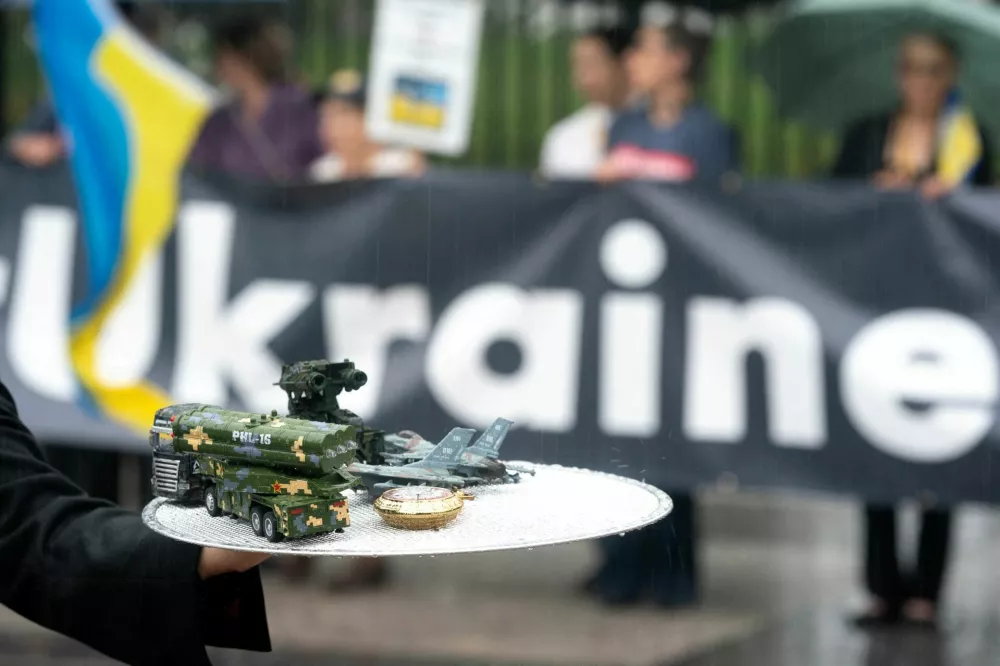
(412, 493)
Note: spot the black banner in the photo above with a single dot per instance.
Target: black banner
(807, 336)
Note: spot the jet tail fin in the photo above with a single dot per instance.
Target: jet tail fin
(489, 442)
(448, 451)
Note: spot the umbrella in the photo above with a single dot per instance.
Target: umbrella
(829, 62)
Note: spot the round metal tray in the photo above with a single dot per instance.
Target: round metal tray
(555, 505)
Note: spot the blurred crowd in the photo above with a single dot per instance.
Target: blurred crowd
(641, 118)
(272, 127)
(269, 126)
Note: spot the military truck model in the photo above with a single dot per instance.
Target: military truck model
(286, 476)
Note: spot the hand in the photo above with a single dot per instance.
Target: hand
(891, 180)
(215, 562)
(419, 166)
(933, 188)
(607, 172)
(38, 150)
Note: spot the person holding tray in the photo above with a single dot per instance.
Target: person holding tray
(94, 572)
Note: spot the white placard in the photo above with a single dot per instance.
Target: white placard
(422, 78)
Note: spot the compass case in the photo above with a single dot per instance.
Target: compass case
(419, 507)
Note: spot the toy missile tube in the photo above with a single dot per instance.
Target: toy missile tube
(419, 507)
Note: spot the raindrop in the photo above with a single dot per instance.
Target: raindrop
(621, 534)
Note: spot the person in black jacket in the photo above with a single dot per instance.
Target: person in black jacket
(900, 150)
(94, 572)
(903, 148)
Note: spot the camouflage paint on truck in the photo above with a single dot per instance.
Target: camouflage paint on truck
(295, 517)
(269, 481)
(310, 447)
(286, 476)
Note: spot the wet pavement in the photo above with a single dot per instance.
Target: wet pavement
(821, 638)
(780, 576)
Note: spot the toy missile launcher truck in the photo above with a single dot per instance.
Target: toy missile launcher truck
(285, 476)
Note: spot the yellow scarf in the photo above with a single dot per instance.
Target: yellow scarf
(959, 146)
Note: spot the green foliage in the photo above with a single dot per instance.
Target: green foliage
(21, 80)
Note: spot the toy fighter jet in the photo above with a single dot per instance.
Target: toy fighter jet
(481, 459)
(437, 468)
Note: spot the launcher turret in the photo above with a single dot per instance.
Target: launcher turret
(313, 387)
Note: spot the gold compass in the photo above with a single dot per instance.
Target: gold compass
(419, 507)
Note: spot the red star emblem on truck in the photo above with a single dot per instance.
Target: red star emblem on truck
(277, 487)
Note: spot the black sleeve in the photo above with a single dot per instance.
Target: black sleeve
(94, 572)
(720, 156)
(849, 158)
(983, 175)
(861, 149)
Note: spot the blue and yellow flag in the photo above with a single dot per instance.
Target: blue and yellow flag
(959, 145)
(130, 116)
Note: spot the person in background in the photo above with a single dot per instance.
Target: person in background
(350, 152)
(668, 136)
(38, 141)
(574, 147)
(284, 39)
(932, 143)
(267, 130)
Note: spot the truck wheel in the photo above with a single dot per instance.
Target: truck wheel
(257, 520)
(271, 527)
(212, 501)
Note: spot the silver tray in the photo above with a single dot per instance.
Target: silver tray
(555, 505)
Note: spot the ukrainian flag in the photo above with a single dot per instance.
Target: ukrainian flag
(130, 116)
